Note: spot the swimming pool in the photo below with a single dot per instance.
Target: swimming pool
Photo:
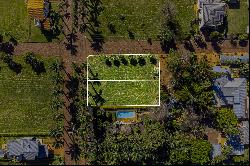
(125, 114)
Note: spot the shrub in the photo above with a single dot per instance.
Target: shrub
(141, 61)
(124, 61)
(215, 36)
(133, 61)
(243, 37)
(108, 62)
(117, 63)
(153, 60)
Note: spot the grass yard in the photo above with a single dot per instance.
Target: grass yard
(127, 67)
(14, 20)
(25, 99)
(126, 93)
(142, 18)
(238, 19)
(133, 80)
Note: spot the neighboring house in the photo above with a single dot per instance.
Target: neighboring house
(244, 132)
(237, 147)
(224, 59)
(223, 70)
(26, 149)
(39, 11)
(232, 93)
(212, 13)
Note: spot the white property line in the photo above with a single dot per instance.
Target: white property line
(125, 80)
(122, 80)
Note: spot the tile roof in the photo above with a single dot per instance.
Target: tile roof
(226, 58)
(232, 92)
(235, 142)
(212, 12)
(217, 150)
(219, 69)
(26, 148)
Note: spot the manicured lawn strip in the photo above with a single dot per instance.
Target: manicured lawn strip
(97, 65)
(238, 19)
(142, 18)
(25, 99)
(14, 19)
(126, 93)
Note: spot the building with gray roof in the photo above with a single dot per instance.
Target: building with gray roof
(211, 12)
(220, 69)
(228, 58)
(26, 149)
(217, 150)
(244, 132)
(232, 93)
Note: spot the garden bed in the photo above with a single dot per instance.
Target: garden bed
(25, 99)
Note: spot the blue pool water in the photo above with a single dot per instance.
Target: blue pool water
(125, 114)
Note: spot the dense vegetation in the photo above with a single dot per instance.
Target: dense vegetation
(174, 133)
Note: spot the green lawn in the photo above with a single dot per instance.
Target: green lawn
(98, 68)
(14, 20)
(142, 81)
(126, 93)
(142, 17)
(25, 99)
(238, 19)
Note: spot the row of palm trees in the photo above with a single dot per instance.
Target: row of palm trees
(57, 103)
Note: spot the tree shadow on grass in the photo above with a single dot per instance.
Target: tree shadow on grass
(141, 61)
(108, 62)
(124, 61)
(97, 96)
(131, 34)
(117, 63)
(72, 85)
(112, 28)
(153, 60)
(133, 61)
(14, 66)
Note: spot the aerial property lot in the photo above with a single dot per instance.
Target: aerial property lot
(123, 80)
(25, 99)
(141, 19)
(238, 18)
(16, 22)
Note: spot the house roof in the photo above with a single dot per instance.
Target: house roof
(232, 92)
(35, 4)
(28, 148)
(219, 69)
(212, 12)
(226, 58)
(217, 150)
(235, 142)
(244, 130)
